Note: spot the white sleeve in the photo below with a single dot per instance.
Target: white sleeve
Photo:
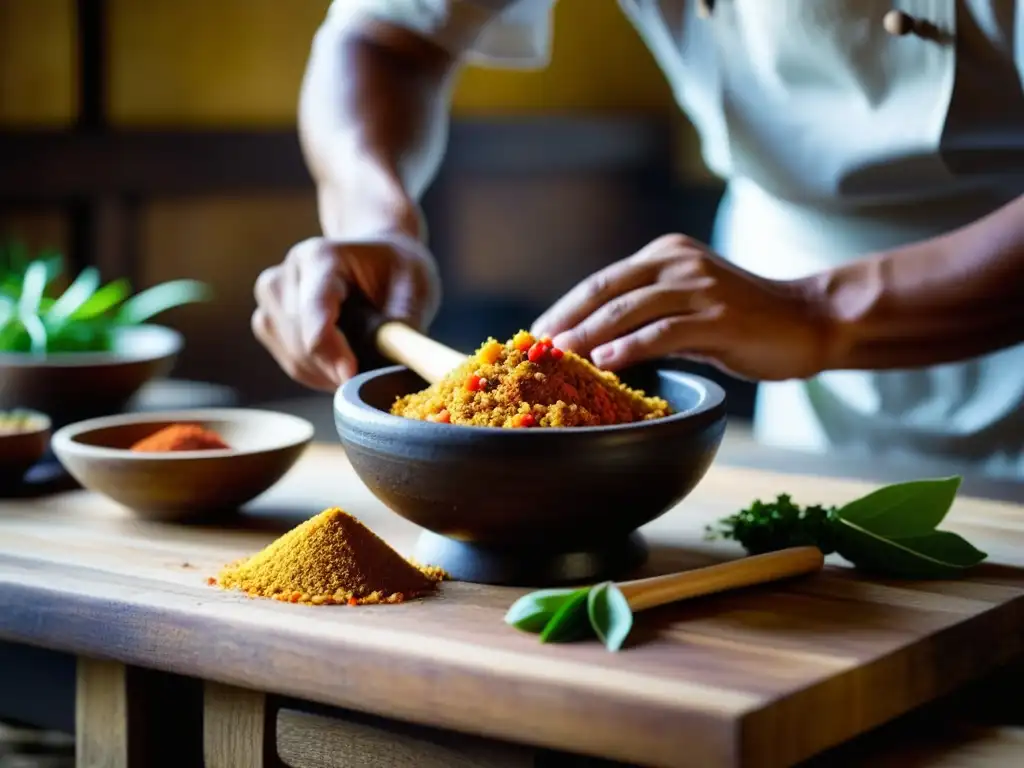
(508, 33)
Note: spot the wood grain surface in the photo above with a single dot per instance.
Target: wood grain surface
(766, 676)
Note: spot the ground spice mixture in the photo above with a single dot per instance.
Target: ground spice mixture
(528, 382)
(181, 437)
(330, 559)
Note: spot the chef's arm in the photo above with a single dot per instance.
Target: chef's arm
(950, 298)
(373, 114)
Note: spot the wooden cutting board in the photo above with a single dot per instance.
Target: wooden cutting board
(764, 677)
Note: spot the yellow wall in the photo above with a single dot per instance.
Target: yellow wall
(239, 62)
(36, 62)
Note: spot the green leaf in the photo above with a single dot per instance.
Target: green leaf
(78, 293)
(932, 555)
(903, 509)
(36, 332)
(160, 298)
(610, 615)
(103, 300)
(532, 612)
(570, 620)
(33, 284)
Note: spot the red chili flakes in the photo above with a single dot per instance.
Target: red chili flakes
(524, 420)
(443, 417)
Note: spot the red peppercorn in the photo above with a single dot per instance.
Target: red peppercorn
(536, 352)
(525, 420)
(473, 383)
(556, 353)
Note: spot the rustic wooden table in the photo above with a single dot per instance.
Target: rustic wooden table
(770, 676)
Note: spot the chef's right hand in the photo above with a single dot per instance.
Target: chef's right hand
(298, 302)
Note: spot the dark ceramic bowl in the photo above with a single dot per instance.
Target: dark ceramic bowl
(74, 386)
(21, 448)
(531, 506)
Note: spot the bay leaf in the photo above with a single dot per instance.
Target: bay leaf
(570, 621)
(532, 612)
(931, 555)
(610, 615)
(903, 509)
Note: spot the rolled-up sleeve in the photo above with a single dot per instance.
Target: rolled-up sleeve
(505, 33)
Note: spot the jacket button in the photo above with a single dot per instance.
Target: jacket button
(898, 23)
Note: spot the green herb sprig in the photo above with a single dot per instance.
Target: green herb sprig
(563, 615)
(891, 532)
(37, 318)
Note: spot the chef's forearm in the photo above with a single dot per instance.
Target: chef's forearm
(950, 298)
(373, 124)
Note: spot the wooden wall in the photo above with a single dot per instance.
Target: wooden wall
(237, 64)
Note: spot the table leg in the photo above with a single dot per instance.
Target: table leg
(236, 733)
(101, 714)
(128, 717)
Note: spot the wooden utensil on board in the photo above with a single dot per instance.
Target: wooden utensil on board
(376, 341)
(744, 572)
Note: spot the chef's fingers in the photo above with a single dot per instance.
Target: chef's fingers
(317, 291)
(277, 331)
(677, 335)
(263, 329)
(596, 290)
(624, 313)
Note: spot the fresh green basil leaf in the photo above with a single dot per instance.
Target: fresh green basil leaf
(36, 332)
(159, 298)
(934, 555)
(33, 284)
(903, 509)
(532, 612)
(13, 337)
(570, 620)
(610, 615)
(103, 300)
(78, 293)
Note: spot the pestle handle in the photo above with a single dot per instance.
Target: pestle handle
(376, 340)
(744, 572)
(430, 359)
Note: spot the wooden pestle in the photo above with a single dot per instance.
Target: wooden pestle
(403, 344)
(373, 336)
(744, 572)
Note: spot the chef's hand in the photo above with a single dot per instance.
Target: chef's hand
(298, 302)
(676, 297)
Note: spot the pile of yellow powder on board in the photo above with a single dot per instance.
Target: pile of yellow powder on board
(330, 559)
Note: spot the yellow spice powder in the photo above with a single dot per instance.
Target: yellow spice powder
(527, 382)
(331, 558)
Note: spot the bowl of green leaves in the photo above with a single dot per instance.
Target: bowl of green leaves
(78, 348)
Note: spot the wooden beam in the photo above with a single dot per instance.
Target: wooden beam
(41, 166)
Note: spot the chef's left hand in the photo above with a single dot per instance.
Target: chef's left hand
(676, 297)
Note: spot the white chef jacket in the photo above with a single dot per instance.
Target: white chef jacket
(837, 139)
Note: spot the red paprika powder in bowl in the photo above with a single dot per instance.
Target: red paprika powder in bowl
(183, 465)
